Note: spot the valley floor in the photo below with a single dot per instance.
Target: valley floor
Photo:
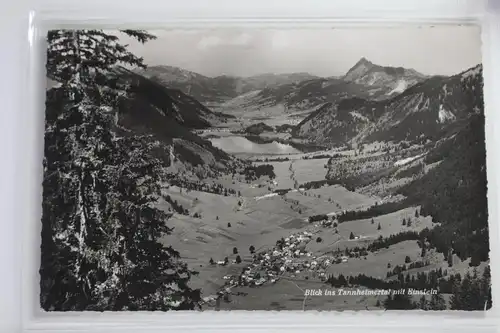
(256, 249)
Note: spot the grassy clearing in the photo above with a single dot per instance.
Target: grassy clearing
(347, 200)
(310, 170)
(283, 173)
(376, 263)
(286, 295)
(390, 224)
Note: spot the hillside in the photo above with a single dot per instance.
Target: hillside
(258, 128)
(262, 81)
(427, 108)
(364, 80)
(336, 124)
(169, 115)
(447, 179)
(421, 112)
(188, 111)
(201, 87)
(454, 193)
(220, 88)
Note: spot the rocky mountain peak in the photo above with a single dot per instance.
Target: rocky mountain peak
(359, 69)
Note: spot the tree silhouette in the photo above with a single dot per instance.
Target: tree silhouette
(437, 302)
(101, 233)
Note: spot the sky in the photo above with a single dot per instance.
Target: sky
(443, 50)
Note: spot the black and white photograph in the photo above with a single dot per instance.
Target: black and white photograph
(320, 169)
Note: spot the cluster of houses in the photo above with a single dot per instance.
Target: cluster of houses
(289, 257)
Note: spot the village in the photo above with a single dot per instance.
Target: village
(288, 259)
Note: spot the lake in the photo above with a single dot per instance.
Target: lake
(237, 144)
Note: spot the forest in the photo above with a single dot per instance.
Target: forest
(454, 194)
(470, 292)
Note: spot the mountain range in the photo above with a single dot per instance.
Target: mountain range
(292, 92)
(220, 88)
(170, 116)
(420, 112)
(369, 103)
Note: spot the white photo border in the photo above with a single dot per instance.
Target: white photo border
(21, 193)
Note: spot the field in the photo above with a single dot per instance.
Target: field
(258, 217)
(375, 264)
(309, 170)
(260, 221)
(341, 199)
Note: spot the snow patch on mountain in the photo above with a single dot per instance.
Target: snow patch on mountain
(445, 115)
(241, 99)
(359, 116)
(401, 86)
(472, 72)
(407, 160)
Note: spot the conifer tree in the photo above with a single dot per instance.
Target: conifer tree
(399, 302)
(485, 284)
(437, 302)
(450, 258)
(423, 304)
(100, 229)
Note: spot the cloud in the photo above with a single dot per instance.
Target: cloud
(323, 52)
(243, 39)
(280, 39)
(210, 41)
(213, 41)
